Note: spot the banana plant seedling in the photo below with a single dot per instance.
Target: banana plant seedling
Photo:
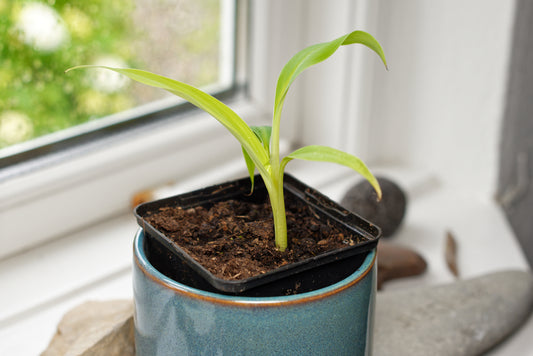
(260, 145)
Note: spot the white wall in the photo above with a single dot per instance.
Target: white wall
(438, 108)
(440, 105)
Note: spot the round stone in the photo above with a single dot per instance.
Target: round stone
(387, 213)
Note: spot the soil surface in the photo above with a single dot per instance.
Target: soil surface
(234, 240)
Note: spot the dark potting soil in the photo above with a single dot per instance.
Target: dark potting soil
(234, 240)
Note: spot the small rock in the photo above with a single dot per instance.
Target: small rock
(462, 318)
(387, 213)
(397, 262)
(95, 328)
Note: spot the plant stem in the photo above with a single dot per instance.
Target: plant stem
(277, 201)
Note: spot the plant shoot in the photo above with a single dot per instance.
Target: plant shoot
(260, 145)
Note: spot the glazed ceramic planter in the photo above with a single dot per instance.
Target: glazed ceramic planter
(172, 318)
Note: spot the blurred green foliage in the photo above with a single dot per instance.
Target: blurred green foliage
(39, 40)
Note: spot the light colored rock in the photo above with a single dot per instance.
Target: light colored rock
(463, 318)
(94, 329)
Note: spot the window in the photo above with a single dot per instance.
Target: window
(42, 38)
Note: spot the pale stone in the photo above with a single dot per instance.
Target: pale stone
(462, 318)
(94, 329)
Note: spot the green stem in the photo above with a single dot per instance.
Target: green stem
(277, 201)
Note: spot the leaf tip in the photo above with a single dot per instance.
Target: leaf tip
(76, 67)
(379, 193)
(252, 183)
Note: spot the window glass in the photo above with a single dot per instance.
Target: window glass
(39, 40)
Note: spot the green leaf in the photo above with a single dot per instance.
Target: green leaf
(227, 117)
(250, 165)
(328, 154)
(263, 134)
(315, 54)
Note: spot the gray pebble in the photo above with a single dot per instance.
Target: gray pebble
(387, 213)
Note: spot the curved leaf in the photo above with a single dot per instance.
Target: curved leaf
(328, 154)
(227, 117)
(315, 54)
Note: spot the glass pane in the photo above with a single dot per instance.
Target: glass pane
(39, 40)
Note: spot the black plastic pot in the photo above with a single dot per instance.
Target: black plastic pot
(309, 274)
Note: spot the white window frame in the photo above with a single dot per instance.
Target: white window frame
(39, 206)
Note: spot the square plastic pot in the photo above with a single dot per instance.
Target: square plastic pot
(313, 273)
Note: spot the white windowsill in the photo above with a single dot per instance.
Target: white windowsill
(40, 285)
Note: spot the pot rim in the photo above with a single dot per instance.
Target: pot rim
(151, 272)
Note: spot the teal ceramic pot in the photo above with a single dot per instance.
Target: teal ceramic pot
(174, 319)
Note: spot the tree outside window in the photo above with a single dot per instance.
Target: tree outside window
(41, 39)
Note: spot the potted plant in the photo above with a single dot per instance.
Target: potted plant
(298, 308)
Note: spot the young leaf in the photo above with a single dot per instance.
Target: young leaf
(227, 117)
(263, 134)
(316, 54)
(250, 166)
(328, 154)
